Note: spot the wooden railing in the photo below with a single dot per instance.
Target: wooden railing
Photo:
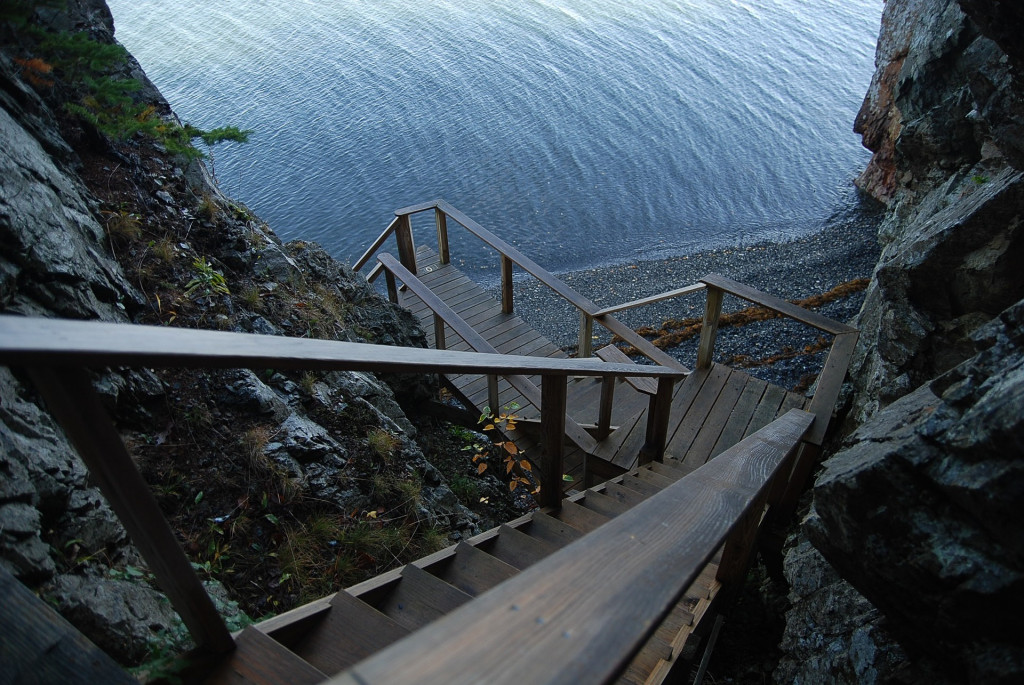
(56, 353)
(580, 614)
(660, 395)
(509, 257)
(829, 381)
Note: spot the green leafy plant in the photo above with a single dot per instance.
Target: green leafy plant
(206, 281)
(513, 462)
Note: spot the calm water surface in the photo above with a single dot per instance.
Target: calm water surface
(587, 132)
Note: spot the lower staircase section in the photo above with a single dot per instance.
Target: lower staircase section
(317, 641)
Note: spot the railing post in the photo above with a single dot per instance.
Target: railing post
(406, 247)
(585, 345)
(70, 397)
(553, 391)
(389, 278)
(441, 219)
(492, 394)
(708, 331)
(657, 422)
(506, 285)
(439, 341)
(604, 414)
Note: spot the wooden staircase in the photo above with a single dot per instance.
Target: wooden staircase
(611, 584)
(331, 636)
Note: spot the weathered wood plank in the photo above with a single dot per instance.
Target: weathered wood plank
(766, 410)
(259, 659)
(474, 571)
(668, 295)
(419, 598)
(829, 384)
(604, 505)
(546, 527)
(714, 423)
(709, 329)
(579, 615)
(580, 517)
(611, 353)
(31, 341)
(40, 646)
(351, 631)
(516, 548)
(745, 407)
(691, 422)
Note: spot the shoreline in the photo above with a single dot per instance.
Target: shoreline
(845, 249)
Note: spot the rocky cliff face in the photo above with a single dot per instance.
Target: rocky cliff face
(99, 228)
(915, 511)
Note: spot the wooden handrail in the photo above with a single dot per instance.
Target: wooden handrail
(520, 382)
(377, 244)
(36, 341)
(660, 392)
(55, 351)
(580, 614)
(660, 297)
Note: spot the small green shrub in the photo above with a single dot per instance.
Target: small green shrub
(206, 281)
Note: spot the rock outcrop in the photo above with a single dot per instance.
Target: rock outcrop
(124, 250)
(916, 512)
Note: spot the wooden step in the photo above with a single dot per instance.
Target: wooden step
(580, 517)
(517, 549)
(420, 597)
(624, 494)
(654, 478)
(352, 630)
(604, 504)
(550, 529)
(261, 660)
(668, 468)
(642, 486)
(473, 571)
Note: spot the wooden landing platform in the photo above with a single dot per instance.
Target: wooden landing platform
(712, 409)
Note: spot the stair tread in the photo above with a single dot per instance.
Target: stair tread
(654, 478)
(260, 659)
(550, 529)
(642, 486)
(473, 571)
(667, 468)
(580, 517)
(518, 549)
(419, 598)
(333, 645)
(604, 505)
(624, 494)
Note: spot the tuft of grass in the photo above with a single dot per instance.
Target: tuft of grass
(250, 297)
(382, 443)
(164, 250)
(308, 382)
(208, 209)
(124, 224)
(254, 445)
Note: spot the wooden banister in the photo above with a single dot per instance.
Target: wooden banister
(36, 341)
(54, 351)
(377, 244)
(661, 395)
(580, 614)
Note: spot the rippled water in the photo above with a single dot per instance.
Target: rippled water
(587, 132)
